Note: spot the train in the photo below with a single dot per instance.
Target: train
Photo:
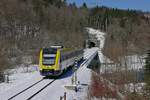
(55, 60)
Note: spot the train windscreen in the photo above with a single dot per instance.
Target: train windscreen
(49, 56)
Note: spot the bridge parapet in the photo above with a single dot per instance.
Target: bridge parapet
(91, 57)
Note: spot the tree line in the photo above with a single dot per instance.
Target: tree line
(28, 25)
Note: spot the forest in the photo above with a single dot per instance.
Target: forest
(28, 25)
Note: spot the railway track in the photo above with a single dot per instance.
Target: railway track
(40, 90)
(32, 90)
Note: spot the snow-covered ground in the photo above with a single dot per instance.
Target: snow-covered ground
(21, 80)
(18, 76)
(54, 91)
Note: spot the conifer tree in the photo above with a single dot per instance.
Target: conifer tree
(147, 75)
(84, 5)
(147, 65)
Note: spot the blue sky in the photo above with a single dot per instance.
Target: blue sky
(143, 5)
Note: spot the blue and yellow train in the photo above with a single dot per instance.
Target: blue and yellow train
(55, 60)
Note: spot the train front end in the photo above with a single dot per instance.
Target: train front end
(49, 62)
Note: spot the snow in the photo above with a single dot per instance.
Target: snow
(22, 69)
(137, 87)
(16, 79)
(103, 59)
(21, 79)
(131, 62)
(134, 62)
(58, 89)
(100, 36)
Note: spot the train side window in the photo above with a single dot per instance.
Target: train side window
(63, 58)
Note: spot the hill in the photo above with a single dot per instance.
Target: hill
(28, 25)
